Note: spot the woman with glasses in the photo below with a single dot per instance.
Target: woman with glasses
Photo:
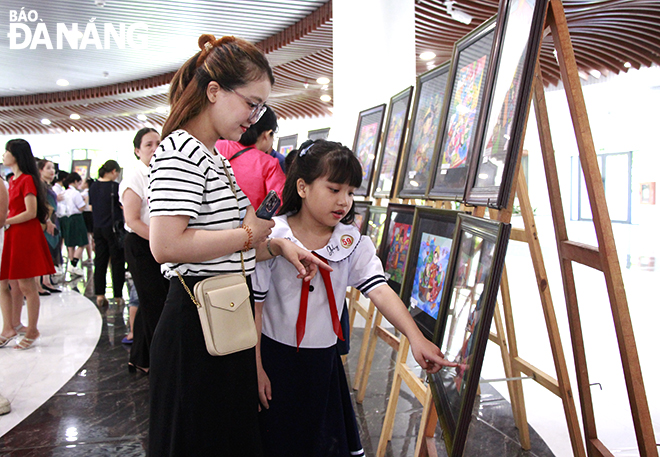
(202, 404)
(256, 171)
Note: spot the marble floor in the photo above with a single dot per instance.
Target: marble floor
(72, 394)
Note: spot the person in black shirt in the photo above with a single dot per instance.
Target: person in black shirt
(106, 210)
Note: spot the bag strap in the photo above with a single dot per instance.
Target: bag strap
(231, 184)
(239, 153)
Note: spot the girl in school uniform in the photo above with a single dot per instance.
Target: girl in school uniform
(307, 409)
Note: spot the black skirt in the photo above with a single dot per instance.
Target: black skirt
(200, 405)
(311, 414)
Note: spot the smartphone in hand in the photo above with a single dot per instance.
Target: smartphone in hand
(269, 206)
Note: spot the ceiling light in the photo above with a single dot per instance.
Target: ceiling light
(457, 15)
(142, 117)
(326, 98)
(45, 121)
(323, 80)
(62, 82)
(583, 75)
(595, 73)
(427, 55)
(74, 116)
(162, 109)
(627, 65)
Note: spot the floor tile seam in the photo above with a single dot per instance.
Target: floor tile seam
(506, 437)
(72, 393)
(64, 444)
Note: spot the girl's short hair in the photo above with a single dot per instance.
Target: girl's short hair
(137, 141)
(231, 62)
(70, 179)
(317, 159)
(267, 122)
(108, 166)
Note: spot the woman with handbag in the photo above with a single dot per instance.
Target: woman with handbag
(202, 225)
(107, 214)
(52, 231)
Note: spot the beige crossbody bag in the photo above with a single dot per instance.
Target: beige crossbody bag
(223, 304)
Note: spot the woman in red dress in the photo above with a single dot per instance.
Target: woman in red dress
(25, 254)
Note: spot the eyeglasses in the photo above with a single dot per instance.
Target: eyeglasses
(258, 109)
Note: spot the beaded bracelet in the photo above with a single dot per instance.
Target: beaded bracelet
(248, 244)
(268, 247)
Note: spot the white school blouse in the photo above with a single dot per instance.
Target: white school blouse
(138, 181)
(355, 264)
(184, 179)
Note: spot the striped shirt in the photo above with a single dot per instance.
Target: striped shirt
(185, 179)
(354, 263)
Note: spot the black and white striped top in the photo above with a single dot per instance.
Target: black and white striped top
(185, 178)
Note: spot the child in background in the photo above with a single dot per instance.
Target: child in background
(307, 409)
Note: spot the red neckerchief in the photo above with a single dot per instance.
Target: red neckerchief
(302, 313)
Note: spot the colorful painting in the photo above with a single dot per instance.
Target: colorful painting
(508, 89)
(81, 167)
(466, 312)
(463, 111)
(466, 91)
(375, 224)
(394, 132)
(284, 150)
(286, 144)
(365, 144)
(424, 131)
(430, 273)
(399, 236)
(366, 148)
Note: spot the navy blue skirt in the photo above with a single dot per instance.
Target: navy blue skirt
(311, 414)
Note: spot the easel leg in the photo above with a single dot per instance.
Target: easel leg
(360, 368)
(388, 423)
(370, 351)
(425, 439)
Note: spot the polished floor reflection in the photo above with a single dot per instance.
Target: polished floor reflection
(97, 408)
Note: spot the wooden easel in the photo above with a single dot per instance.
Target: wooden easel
(603, 258)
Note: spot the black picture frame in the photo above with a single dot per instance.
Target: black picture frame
(396, 240)
(392, 144)
(82, 167)
(428, 264)
(422, 135)
(376, 216)
(503, 118)
(361, 208)
(468, 302)
(286, 144)
(365, 144)
(319, 134)
(465, 94)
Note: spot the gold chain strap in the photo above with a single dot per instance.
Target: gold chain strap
(192, 297)
(231, 184)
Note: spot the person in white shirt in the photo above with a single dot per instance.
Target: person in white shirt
(307, 407)
(74, 231)
(151, 286)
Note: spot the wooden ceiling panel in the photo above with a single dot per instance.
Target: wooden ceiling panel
(296, 36)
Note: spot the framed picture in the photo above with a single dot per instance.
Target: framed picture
(423, 134)
(82, 167)
(365, 144)
(375, 225)
(465, 92)
(396, 239)
(319, 134)
(286, 144)
(647, 193)
(395, 129)
(463, 325)
(361, 213)
(507, 99)
(426, 270)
